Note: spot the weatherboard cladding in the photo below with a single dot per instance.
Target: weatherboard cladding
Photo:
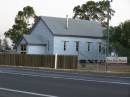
(34, 40)
(76, 28)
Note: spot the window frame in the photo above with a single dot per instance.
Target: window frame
(77, 45)
(99, 47)
(65, 45)
(89, 46)
(23, 48)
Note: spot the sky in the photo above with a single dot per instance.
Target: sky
(55, 8)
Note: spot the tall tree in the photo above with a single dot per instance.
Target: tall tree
(24, 20)
(120, 39)
(92, 10)
(121, 34)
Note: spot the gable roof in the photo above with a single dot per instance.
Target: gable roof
(57, 26)
(75, 27)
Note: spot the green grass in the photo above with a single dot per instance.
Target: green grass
(122, 68)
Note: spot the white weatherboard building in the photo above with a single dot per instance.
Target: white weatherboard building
(63, 36)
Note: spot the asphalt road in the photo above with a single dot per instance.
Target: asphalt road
(18, 82)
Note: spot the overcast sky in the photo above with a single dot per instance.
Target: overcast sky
(56, 8)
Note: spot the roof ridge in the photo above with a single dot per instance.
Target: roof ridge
(77, 19)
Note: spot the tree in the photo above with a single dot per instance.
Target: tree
(92, 10)
(6, 44)
(121, 34)
(1, 45)
(23, 23)
(28, 13)
(120, 39)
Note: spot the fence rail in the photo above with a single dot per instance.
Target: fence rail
(64, 62)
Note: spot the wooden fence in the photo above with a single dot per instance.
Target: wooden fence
(63, 61)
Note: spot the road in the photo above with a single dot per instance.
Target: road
(25, 82)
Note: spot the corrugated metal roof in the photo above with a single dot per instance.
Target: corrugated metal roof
(75, 27)
(58, 27)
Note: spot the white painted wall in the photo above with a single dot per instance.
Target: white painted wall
(42, 30)
(56, 45)
(83, 53)
(33, 49)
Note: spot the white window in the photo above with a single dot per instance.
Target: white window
(77, 45)
(48, 45)
(89, 45)
(100, 47)
(65, 45)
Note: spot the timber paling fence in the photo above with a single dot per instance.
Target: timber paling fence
(63, 61)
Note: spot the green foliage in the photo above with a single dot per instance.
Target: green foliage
(120, 39)
(92, 10)
(22, 24)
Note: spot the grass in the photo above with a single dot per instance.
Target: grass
(121, 68)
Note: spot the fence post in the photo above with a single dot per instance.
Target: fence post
(56, 58)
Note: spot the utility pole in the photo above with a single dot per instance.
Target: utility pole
(108, 12)
(108, 18)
